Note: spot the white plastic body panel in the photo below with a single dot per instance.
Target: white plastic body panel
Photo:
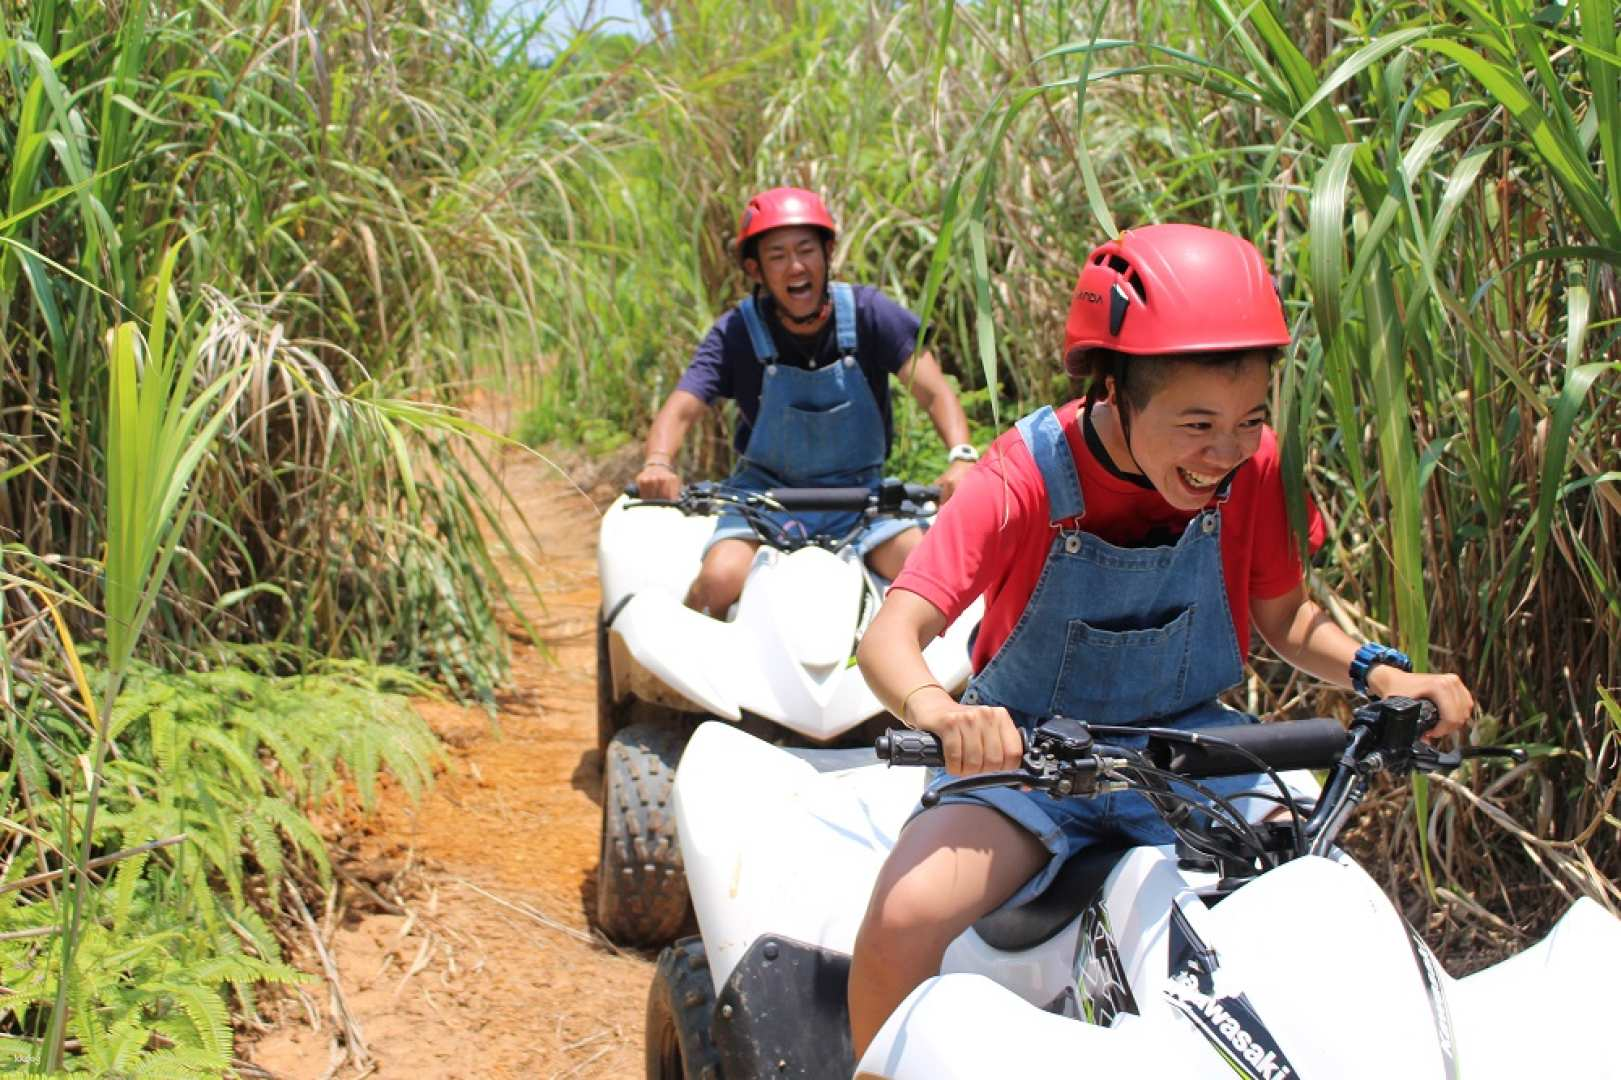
(1325, 962)
(787, 653)
(773, 847)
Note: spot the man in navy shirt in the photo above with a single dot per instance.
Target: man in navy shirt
(808, 364)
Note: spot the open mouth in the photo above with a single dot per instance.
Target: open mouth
(800, 291)
(1198, 482)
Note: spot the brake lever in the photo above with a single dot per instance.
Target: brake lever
(1513, 753)
(1427, 759)
(984, 780)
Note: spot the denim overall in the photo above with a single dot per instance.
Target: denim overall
(1110, 635)
(814, 429)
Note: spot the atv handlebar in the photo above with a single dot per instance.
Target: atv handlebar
(1316, 743)
(1062, 757)
(1225, 751)
(832, 498)
(891, 498)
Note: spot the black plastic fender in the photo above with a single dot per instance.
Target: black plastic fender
(783, 1013)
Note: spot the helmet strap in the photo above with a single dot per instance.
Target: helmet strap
(1118, 400)
(791, 321)
(1125, 435)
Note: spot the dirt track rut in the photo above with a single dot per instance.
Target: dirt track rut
(486, 966)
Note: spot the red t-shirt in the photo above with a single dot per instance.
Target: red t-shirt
(993, 536)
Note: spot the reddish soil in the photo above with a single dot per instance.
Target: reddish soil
(475, 958)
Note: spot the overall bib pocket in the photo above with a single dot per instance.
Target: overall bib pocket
(817, 440)
(1120, 676)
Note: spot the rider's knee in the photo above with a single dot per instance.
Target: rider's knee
(717, 586)
(910, 917)
(889, 557)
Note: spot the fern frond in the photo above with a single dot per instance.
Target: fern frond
(298, 829)
(180, 1062)
(246, 771)
(209, 1022)
(125, 880)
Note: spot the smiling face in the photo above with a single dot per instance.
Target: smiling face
(1200, 422)
(792, 263)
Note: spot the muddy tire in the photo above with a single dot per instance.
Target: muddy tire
(610, 714)
(680, 1009)
(641, 884)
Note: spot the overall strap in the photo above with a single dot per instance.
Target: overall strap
(765, 350)
(1044, 436)
(844, 317)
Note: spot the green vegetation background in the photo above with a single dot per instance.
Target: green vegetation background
(255, 257)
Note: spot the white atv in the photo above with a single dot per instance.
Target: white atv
(1247, 949)
(782, 666)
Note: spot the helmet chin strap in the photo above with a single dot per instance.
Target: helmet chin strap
(820, 312)
(1124, 420)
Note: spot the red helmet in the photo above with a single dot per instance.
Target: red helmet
(1174, 288)
(783, 206)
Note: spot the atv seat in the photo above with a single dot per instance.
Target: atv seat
(1078, 882)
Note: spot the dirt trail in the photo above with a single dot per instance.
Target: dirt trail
(486, 966)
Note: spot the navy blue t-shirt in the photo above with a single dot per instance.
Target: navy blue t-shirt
(724, 365)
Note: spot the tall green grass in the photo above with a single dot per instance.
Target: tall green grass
(374, 210)
(254, 261)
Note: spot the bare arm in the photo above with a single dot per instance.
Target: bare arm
(658, 478)
(974, 738)
(1302, 633)
(922, 376)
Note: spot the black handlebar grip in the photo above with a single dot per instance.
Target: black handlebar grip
(922, 493)
(1291, 744)
(828, 498)
(907, 747)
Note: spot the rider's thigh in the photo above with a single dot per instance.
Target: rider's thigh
(951, 865)
(888, 558)
(720, 578)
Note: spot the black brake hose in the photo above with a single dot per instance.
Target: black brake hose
(1193, 738)
(1199, 840)
(1236, 821)
(1161, 788)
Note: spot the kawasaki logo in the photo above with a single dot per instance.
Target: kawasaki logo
(1232, 1026)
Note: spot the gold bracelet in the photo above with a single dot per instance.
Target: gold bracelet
(907, 700)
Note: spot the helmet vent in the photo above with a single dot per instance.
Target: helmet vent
(1136, 284)
(1118, 265)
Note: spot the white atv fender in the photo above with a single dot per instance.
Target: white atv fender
(1331, 985)
(787, 655)
(772, 846)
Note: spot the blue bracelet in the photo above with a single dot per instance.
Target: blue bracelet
(1369, 655)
